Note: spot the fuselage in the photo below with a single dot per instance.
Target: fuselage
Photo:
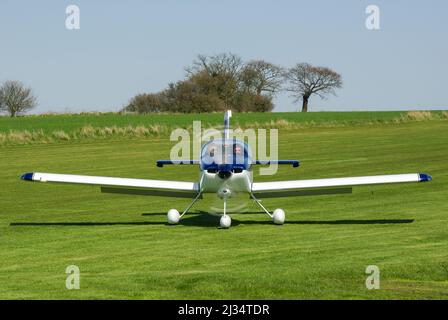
(226, 166)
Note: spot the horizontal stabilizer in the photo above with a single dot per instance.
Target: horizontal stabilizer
(161, 163)
(295, 163)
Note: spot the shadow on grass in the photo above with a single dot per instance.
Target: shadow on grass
(377, 221)
(202, 220)
(207, 220)
(198, 212)
(81, 224)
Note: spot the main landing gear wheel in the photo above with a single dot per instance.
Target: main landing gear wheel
(225, 221)
(173, 216)
(278, 216)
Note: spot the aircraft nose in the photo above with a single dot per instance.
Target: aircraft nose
(224, 174)
(225, 171)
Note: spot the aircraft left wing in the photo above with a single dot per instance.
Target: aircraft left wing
(329, 186)
(180, 189)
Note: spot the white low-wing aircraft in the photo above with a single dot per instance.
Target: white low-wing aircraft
(226, 169)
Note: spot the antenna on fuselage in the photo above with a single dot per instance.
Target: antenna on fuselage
(227, 116)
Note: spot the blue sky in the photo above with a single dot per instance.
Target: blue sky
(128, 47)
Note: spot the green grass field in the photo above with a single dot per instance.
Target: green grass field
(71, 122)
(125, 250)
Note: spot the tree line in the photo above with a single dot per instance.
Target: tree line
(213, 83)
(225, 81)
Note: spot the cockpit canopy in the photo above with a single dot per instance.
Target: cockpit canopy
(225, 154)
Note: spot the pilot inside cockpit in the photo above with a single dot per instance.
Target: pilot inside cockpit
(212, 150)
(237, 150)
(211, 154)
(238, 153)
(218, 153)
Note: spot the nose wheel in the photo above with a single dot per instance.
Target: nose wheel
(225, 221)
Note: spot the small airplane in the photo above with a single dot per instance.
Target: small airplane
(226, 169)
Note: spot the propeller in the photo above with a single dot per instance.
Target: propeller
(237, 202)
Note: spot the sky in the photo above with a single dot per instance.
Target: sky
(128, 47)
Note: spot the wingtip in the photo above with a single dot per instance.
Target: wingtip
(27, 176)
(424, 177)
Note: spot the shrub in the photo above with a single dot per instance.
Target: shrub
(60, 135)
(419, 115)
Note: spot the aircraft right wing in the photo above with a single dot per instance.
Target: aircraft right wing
(329, 186)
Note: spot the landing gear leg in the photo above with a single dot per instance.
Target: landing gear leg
(225, 221)
(278, 216)
(173, 215)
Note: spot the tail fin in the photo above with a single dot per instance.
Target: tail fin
(227, 116)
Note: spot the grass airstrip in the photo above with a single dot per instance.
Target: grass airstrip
(125, 250)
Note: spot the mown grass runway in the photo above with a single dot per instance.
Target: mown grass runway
(124, 248)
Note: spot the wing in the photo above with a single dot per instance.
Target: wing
(329, 186)
(178, 189)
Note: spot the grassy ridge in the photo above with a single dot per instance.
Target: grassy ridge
(62, 128)
(125, 249)
(72, 122)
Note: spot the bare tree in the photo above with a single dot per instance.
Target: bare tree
(215, 65)
(305, 80)
(15, 98)
(261, 76)
(223, 71)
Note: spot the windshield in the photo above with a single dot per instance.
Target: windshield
(219, 152)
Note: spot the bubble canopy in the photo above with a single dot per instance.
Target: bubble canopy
(231, 155)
